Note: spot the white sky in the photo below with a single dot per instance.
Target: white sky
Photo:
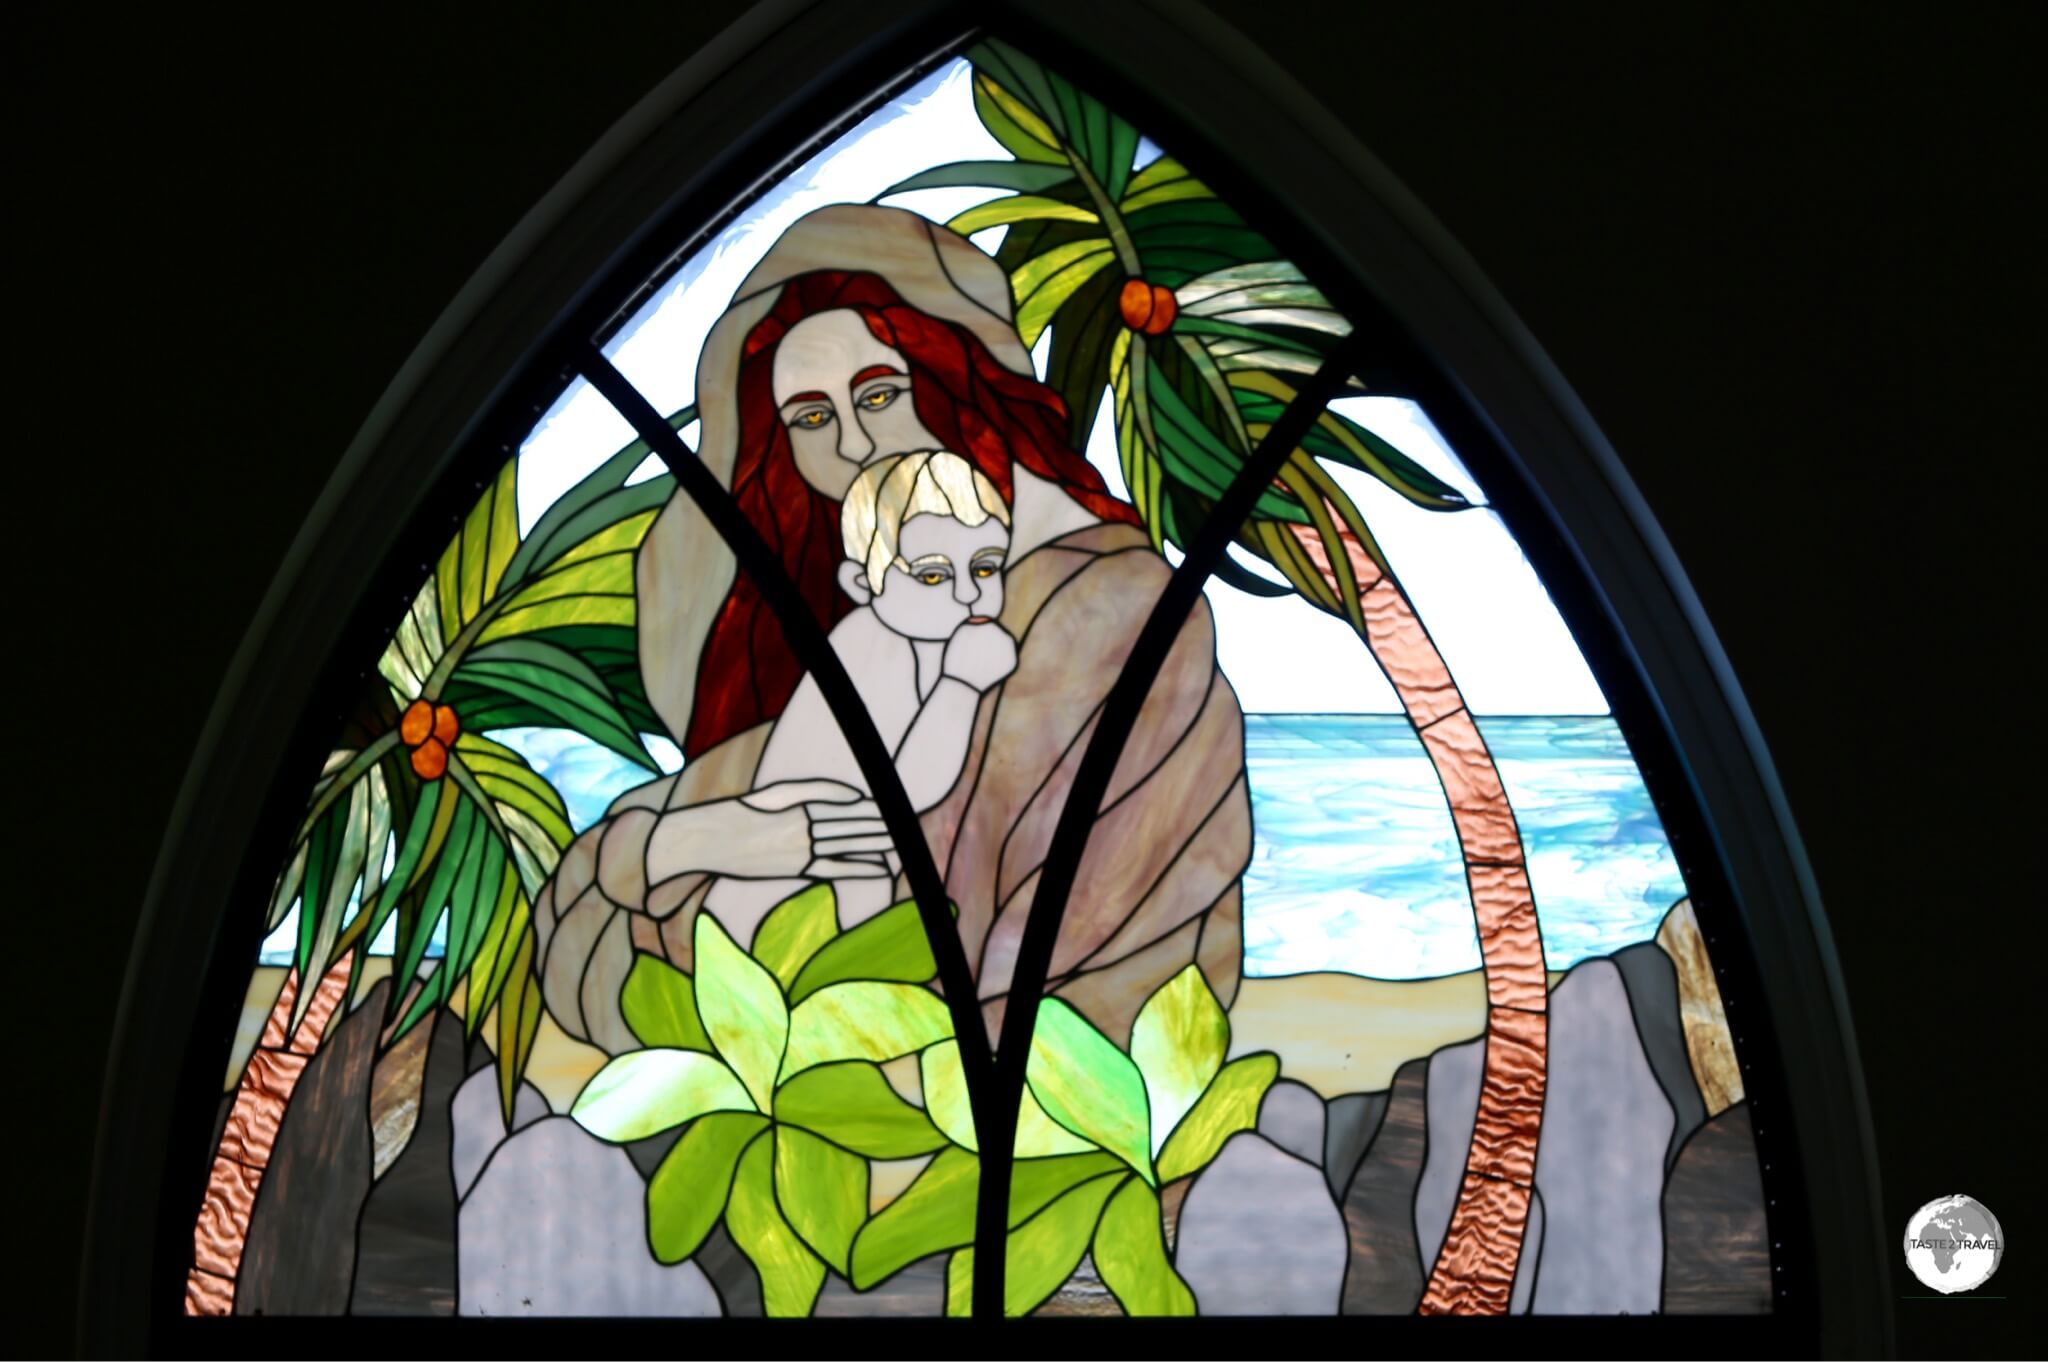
(1492, 619)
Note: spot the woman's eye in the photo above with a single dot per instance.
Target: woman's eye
(878, 398)
(931, 578)
(811, 420)
(984, 569)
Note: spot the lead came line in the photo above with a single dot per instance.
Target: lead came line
(807, 640)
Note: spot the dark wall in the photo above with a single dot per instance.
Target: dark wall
(1778, 255)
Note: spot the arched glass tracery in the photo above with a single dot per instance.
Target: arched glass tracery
(1264, 862)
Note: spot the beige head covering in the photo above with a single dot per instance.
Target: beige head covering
(685, 569)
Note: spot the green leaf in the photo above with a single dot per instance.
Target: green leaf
(1088, 1085)
(860, 1020)
(1130, 1253)
(1231, 1104)
(430, 817)
(1041, 1253)
(519, 1009)
(465, 829)
(823, 1190)
(648, 1091)
(494, 962)
(506, 777)
(1018, 208)
(960, 1284)
(891, 945)
(287, 891)
(1163, 181)
(794, 930)
(945, 1097)
(1045, 1250)
(791, 1274)
(742, 1009)
(594, 591)
(660, 1005)
(1036, 1183)
(935, 1213)
(852, 1104)
(1178, 1041)
(1022, 133)
(559, 684)
(687, 1194)
(474, 562)
(1023, 177)
(1048, 280)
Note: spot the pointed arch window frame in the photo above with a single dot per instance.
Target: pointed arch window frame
(667, 177)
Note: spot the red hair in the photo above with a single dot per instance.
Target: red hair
(971, 403)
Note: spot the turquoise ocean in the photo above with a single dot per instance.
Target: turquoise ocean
(1355, 863)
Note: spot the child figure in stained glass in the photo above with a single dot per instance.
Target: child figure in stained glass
(925, 537)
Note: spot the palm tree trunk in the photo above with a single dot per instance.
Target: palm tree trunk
(1474, 1272)
(246, 1141)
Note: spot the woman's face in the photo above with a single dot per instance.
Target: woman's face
(845, 398)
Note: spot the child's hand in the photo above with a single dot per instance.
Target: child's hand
(979, 655)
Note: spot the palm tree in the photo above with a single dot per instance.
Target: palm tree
(417, 819)
(1157, 291)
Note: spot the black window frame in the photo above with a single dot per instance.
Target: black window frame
(668, 177)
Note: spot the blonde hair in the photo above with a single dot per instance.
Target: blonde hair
(891, 490)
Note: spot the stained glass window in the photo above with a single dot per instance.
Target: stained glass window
(986, 755)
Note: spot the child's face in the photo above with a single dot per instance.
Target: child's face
(955, 573)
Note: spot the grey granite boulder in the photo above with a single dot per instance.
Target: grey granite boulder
(1259, 1234)
(1600, 1167)
(1292, 1117)
(557, 1225)
(477, 1123)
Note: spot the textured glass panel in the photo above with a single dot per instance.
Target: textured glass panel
(1376, 989)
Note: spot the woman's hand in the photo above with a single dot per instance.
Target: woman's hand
(812, 829)
(979, 655)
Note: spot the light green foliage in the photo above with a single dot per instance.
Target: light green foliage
(1231, 1104)
(660, 1005)
(1130, 1253)
(1178, 1041)
(935, 1213)
(790, 935)
(1088, 1085)
(648, 1091)
(889, 946)
(823, 1189)
(791, 1275)
(853, 1105)
(863, 1020)
(686, 1196)
(742, 1009)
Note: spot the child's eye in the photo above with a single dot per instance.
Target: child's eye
(878, 398)
(812, 419)
(931, 577)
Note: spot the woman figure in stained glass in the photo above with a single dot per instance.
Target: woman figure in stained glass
(868, 332)
(925, 537)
